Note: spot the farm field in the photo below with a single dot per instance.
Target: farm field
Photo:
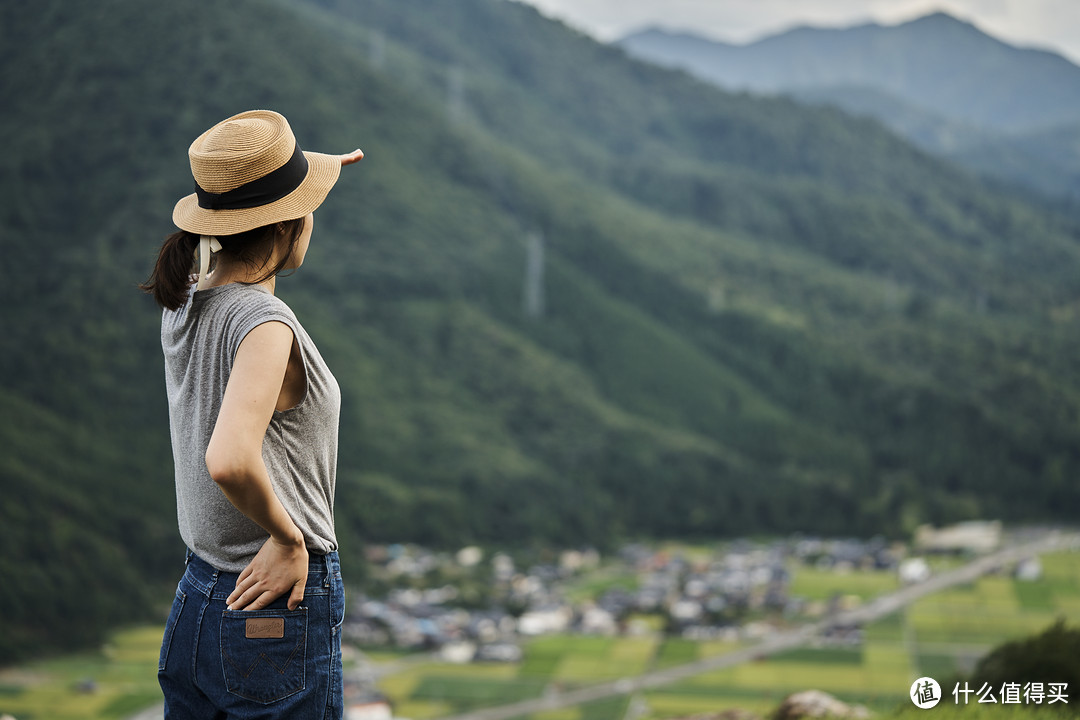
(940, 636)
(111, 684)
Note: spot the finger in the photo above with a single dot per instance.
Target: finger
(354, 157)
(242, 600)
(296, 596)
(237, 599)
(246, 594)
(256, 598)
(242, 586)
(263, 600)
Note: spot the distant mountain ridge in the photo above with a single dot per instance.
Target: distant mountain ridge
(937, 62)
(937, 80)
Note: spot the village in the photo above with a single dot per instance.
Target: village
(468, 607)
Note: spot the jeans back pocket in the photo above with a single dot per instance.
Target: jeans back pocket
(170, 628)
(264, 653)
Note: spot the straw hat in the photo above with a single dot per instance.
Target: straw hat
(250, 172)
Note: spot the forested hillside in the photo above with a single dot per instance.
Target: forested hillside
(757, 317)
(1009, 112)
(938, 62)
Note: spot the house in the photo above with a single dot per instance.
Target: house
(469, 556)
(596, 620)
(499, 652)
(1029, 569)
(913, 570)
(373, 709)
(549, 619)
(976, 536)
(458, 652)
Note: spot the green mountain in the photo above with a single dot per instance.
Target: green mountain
(757, 317)
(936, 62)
(1046, 161)
(937, 81)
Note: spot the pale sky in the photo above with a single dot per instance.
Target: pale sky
(1047, 24)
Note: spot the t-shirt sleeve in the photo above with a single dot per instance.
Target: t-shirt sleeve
(257, 308)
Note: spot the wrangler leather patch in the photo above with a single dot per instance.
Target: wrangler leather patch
(265, 628)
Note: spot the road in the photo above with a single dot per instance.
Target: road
(155, 713)
(787, 640)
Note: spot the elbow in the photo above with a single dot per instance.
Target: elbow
(230, 469)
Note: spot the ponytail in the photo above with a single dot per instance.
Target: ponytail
(171, 278)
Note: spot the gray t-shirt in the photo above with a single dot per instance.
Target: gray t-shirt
(200, 341)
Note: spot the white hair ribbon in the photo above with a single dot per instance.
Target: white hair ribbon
(207, 245)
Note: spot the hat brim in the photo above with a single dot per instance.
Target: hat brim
(323, 172)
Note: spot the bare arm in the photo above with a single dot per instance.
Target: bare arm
(234, 459)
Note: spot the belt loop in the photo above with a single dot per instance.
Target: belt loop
(187, 556)
(326, 570)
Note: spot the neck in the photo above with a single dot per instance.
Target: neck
(227, 271)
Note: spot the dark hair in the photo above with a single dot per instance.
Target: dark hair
(171, 278)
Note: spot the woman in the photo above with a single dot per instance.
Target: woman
(254, 630)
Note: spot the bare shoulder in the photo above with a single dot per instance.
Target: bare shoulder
(263, 356)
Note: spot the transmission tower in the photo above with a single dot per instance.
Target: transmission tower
(534, 276)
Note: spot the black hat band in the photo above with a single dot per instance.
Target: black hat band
(262, 191)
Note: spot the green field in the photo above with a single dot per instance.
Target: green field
(815, 584)
(936, 636)
(111, 684)
(950, 630)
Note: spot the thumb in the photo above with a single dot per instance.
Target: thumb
(296, 596)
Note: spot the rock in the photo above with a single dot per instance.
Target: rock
(729, 714)
(817, 704)
(736, 714)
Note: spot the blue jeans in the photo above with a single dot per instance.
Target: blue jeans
(218, 664)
